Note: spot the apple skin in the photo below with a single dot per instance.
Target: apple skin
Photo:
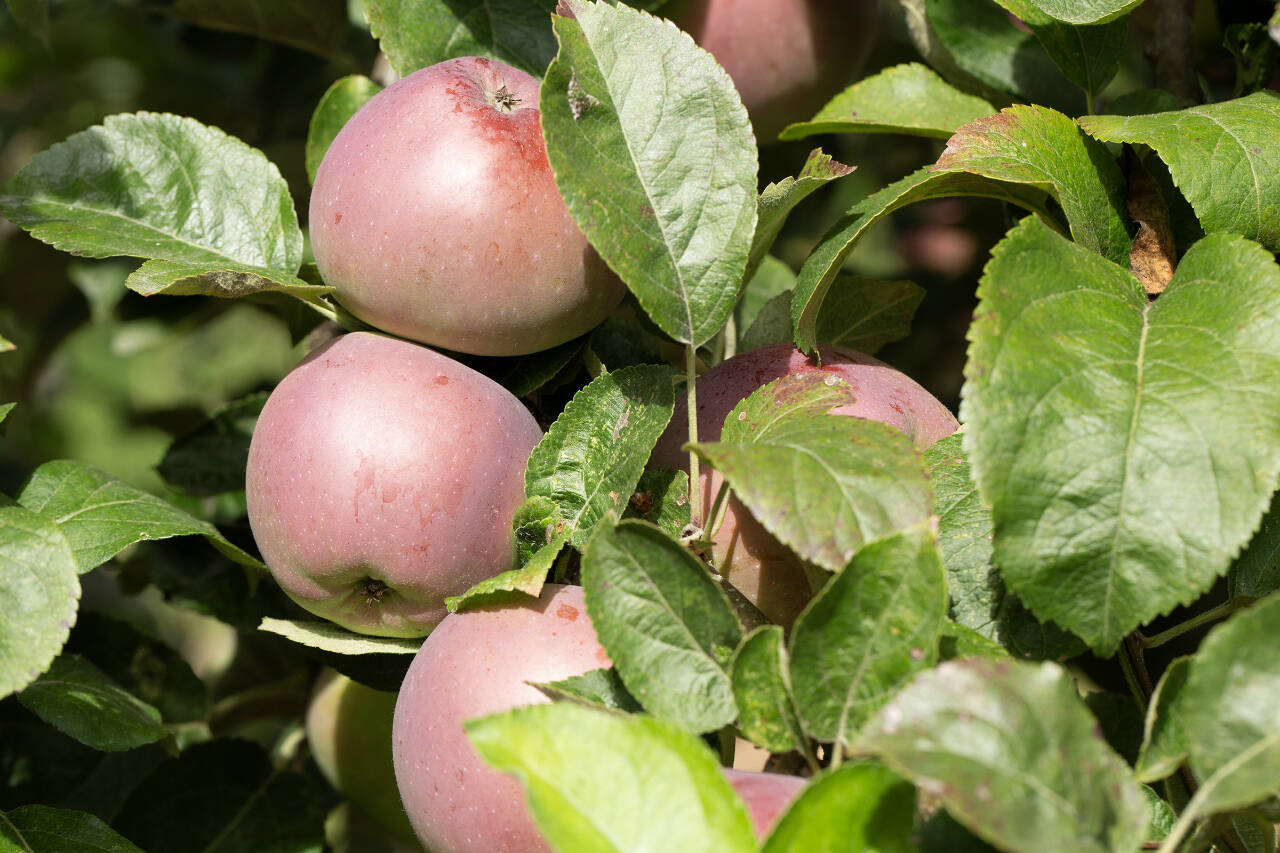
(767, 795)
(435, 216)
(477, 663)
(786, 57)
(748, 556)
(349, 732)
(382, 478)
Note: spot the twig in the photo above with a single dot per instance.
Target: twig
(1174, 52)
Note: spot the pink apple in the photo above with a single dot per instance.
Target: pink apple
(786, 57)
(750, 558)
(436, 217)
(476, 663)
(384, 477)
(767, 795)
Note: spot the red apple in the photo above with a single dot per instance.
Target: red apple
(435, 216)
(767, 795)
(476, 663)
(747, 555)
(349, 733)
(786, 57)
(382, 478)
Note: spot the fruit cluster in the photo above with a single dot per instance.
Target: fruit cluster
(383, 476)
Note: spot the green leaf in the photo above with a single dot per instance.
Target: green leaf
(667, 627)
(318, 26)
(32, 16)
(653, 153)
(961, 641)
(602, 688)
(223, 796)
(864, 314)
(599, 782)
(80, 700)
(1163, 817)
(329, 637)
(867, 632)
(772, 324)
(152, 185)
(1223, 158)
(101, 516)
(1158, 417)
(418, 33)
(591, 458)
(662, 498)
(1165, 739)
(824, 485)
(1256, 572)
(338, 104)
(779, 198)
(908, 98)
(1231, 703)
(827, 259)
(1073, 11)
(224, 279)
(772, 279)
(5, 409)
(44, 829)
(527, 579)
(761, 679)
(39, 594)
(858, 806)
(982, 42)
(1014, 755)
(211, 459)
(1045, 149)
(979, 599)
(1087, 56)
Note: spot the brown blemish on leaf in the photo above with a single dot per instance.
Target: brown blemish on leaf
(1152, 255)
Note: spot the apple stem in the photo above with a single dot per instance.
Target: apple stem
(691, 399)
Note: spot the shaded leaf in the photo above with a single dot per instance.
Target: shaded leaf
(32, 16)
(666, 625)
(653, 153)
(1164, 739)
(1256, 572)
(80, 700)
(600, 687)
(418, 33)
(1045, 149)
(527, 579)
(772, 278)
(908, 98)
(825, 262)
(223, 796)
(318, 26)
(591, 458)
(853, 807)
(600, 782)
(152, 185)
(1014, 755)
(867, 632)
(662, 498)
(524, 374)
(329, 637)
(864, 314)
(44, 829)
(762, 690)
(39, 594)
(1223, 157)
(824, 485)
(1087, 56)
(337, 105)
(211, 459)
(101, 516)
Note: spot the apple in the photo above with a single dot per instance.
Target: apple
(478, 662)
(786, 57)
(349, 731)
(767, 795)
(748, 556)
(383, 477)
(435, 216)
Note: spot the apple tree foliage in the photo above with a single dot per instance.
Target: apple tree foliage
(984, 663)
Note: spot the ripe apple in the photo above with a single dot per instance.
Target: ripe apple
(747, 555)
(435, 216)
(767, 795)
(476, 663)
(382, 478)
(786, 57)
(349, 732)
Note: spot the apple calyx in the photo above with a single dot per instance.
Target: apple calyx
(372, 590)
(504, 100)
